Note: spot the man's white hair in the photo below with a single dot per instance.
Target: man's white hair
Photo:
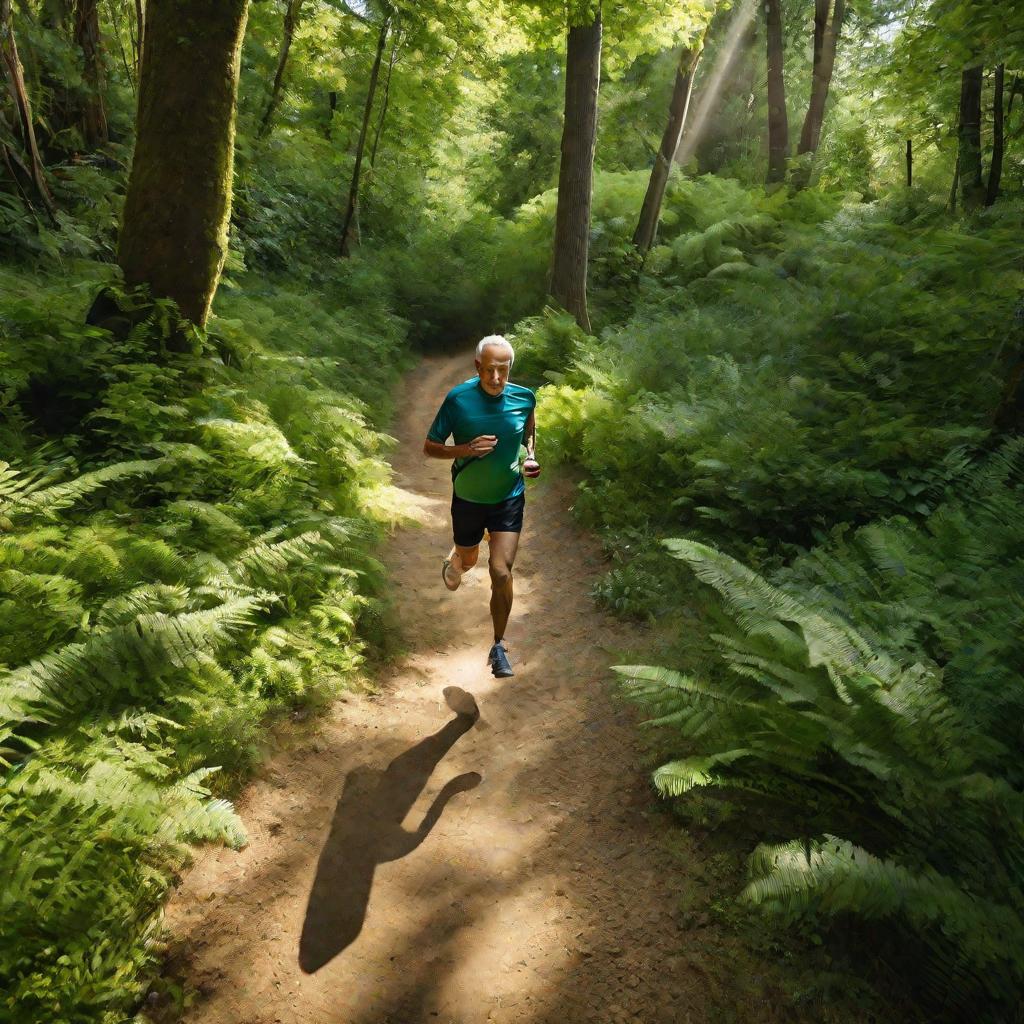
(500, 341)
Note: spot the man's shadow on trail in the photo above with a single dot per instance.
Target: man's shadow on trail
(367, 831)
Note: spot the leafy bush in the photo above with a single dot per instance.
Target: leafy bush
(184, 533)
(796, 392)
(875, 687)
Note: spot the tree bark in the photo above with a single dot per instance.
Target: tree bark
(351, 211)
(87, 37)
(778, 123)
(291, 23)
(16, 84)
(174, 232)
(650, 212)
(140, 35)
(576, 170)
(910, 163)
(972, 189)
(826, 42)
(995, 170)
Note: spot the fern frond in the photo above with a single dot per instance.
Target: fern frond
(122, 661)
(836, 876)
(47, 501)
(678, 777)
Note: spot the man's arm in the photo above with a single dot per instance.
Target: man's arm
(482, 445)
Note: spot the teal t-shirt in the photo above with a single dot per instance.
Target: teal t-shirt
(467, 412)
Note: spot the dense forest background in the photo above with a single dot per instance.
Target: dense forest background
(783, 343)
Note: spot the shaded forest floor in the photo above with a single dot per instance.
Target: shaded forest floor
(535, 878)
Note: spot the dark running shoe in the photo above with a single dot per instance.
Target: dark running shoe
(499, 661)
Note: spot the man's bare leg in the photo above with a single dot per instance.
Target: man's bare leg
(460, 560)
(503, 547)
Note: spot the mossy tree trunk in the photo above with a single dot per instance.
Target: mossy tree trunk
(15, 76)
(778, 122)
(87, 36)
(972, 188)
(576, 170)
(291, 22)
(174, 232)
(647, 226)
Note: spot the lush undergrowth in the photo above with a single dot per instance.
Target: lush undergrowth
(186, 528)
(806, 389)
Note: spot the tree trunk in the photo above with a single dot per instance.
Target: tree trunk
(826, 41)
(576, 170)
(140, 35)
(291, 23)
(332, 106)
(778, 123)
(910, 163)
(995, 171)
(174, 232)
(16, 84)
(87, 37)
(650, 212)
(972, 189)
(351, 211)
(384, 103)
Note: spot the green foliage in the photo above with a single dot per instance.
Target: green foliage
(778, 374)
(875, 687)
(184, 526)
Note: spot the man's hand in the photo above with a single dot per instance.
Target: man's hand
(531, 467)
(480, 446)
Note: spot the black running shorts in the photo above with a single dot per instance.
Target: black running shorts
(471, 518)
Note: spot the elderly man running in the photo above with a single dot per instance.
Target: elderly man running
(488, 418)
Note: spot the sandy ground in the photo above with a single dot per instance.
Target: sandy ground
(406, 866)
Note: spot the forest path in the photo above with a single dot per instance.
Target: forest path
(544, 893)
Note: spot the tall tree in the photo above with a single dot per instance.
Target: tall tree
(87, 36)
(995, 170)
(972, 188)
(174, 231)
(291, 22)
(650, 212)
(576, 169)
(352, 208)
(382, 116)
(15, 76)
(828, 23)
(778, 123)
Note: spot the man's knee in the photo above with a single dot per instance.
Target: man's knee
(501, 573)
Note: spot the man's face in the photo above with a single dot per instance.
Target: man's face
(493, 367)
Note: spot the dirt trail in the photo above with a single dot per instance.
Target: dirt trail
(541, 892)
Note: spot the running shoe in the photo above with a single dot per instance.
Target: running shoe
(499, 661)
(445, 566)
